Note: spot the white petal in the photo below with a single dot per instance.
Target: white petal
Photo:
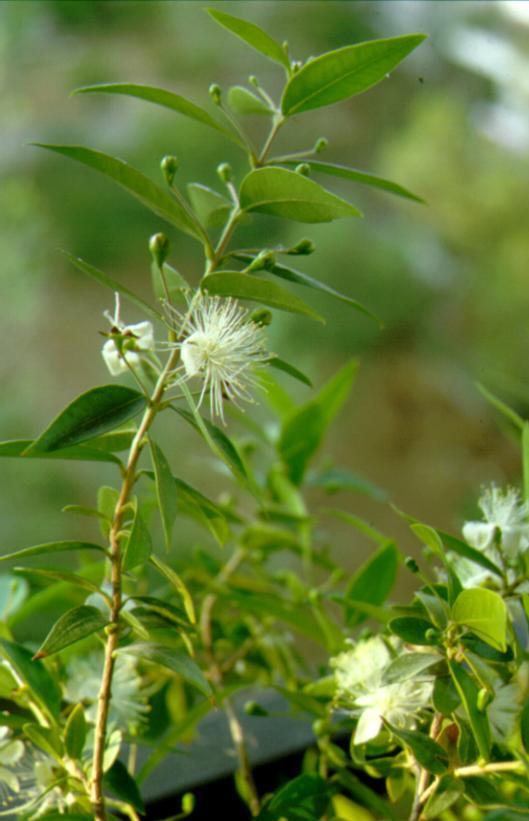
(144, 333)
(369, 726)
(479, 535)
(113, 361)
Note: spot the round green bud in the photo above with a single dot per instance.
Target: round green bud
(411, 564)
(169, 166)
(265, 259)
(225, 172)
(159, 248)
(303, 168)
(215, 92)
(321, 145)
(431, 634)
(303, 248)
(252, 79)
(188, 803)
(261, 317)
(252, 708)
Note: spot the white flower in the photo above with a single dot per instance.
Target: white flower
(121, 352)
(502, 510)
(359, 686)
(220, 345)
(27, 776)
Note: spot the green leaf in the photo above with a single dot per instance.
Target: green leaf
(174, 579)
(254, 36)
(50, 547)
(139, 545)
(343, 73)
(524, 726)
(485, 613)
(119, 781)
(426, 751)
(210, 207)
(174, 279)
(171, 659)
(267, 605)
(468, 692)
(300, 278)
(445, 697)
(448, 791)
(113, 284)
(303, 431)
(150, 194)
(167, 612)
(72, 626)
(226, 449)
(158, 96)
(463, 549)
(412, 630)
(61, 576)
(284, 193)
(362, 177)
(305, 798)
(243, 101)
(80, 453)
(13, 592)
(525, 460)
(46, 739)
(409, 665)
(336, 480)
(40, 683)
(244, 286)
(372, 582)
(165, 491)
(286, 367)
(91, 414)
(203, 509)
(75, 732)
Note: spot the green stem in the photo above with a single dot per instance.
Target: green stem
(278, 122)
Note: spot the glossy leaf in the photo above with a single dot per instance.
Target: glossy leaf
(91, 414)
(412, 630)
(409, 665)
(79, 453)
(252, 35)
(50, 547)
(158, 96)
(468, 692)
(283, 193)
(286, 367)
(40, 683)
(119, 781)
(150, 194)
(426, 751)
(445, 696)
(305, 798)
(113, 284)
(171, 659)
(75, 732)
(345, 72)
(303, 431)
(243, 101)
(71, 627)
(139, 544)
(165, 491)
(174, 579)
(485, 613)
(222, 442)
(372, 582)
(300, 278)
(210, 207)
(244, 286)
(362, 177)
(463, 549)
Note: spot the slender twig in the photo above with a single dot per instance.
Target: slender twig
(423, 776)
(473, 770)
(129, 479)
(278, 122)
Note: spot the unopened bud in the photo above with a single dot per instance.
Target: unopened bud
(261, 317)
(159, 248)
(265, 259)
(169, 166)
(225, 172)
(303, 248)
(252, 708)
(252, 79)
(215, 93)
(303, 168)
(431, 634)
(411, 564)
(321, 145)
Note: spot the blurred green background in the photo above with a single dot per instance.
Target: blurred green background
(449, 279)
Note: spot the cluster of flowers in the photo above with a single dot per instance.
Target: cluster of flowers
(218, 342)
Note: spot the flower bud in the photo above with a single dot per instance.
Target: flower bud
(261, 317)
(225, 172)
(411, 564)
(265, 259)
(188, 803)
(169, 166)
(431, 634)
(252, 79)
(303, 248)
(159, 248)
(215, 93)
(252, 708)
(303, 168)
(321, 145)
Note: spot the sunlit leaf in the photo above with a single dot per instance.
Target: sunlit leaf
(72, 626)
(252, 35)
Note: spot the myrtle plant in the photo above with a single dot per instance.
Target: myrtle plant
(417, 711)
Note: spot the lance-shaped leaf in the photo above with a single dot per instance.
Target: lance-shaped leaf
(171, 659)
(426, 751)
(158, 96)
(119, 781)
(468, 692)
(41, 684)
(253, 36)
(72, 626)
(286, 367)
(242, 101)
(485, 613)
(362, 177)
(174, 579)
(139, 544)
(113, 284)
(468, 552)
(343, 73)
(372, 583)
(91, 414)
(223, 444)
(244, 286)
(79, 453)
(165, 491)
(284, 193)
(150, 194)
(50, 547)
(75, 732)
(210, 207)
(60, 576)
